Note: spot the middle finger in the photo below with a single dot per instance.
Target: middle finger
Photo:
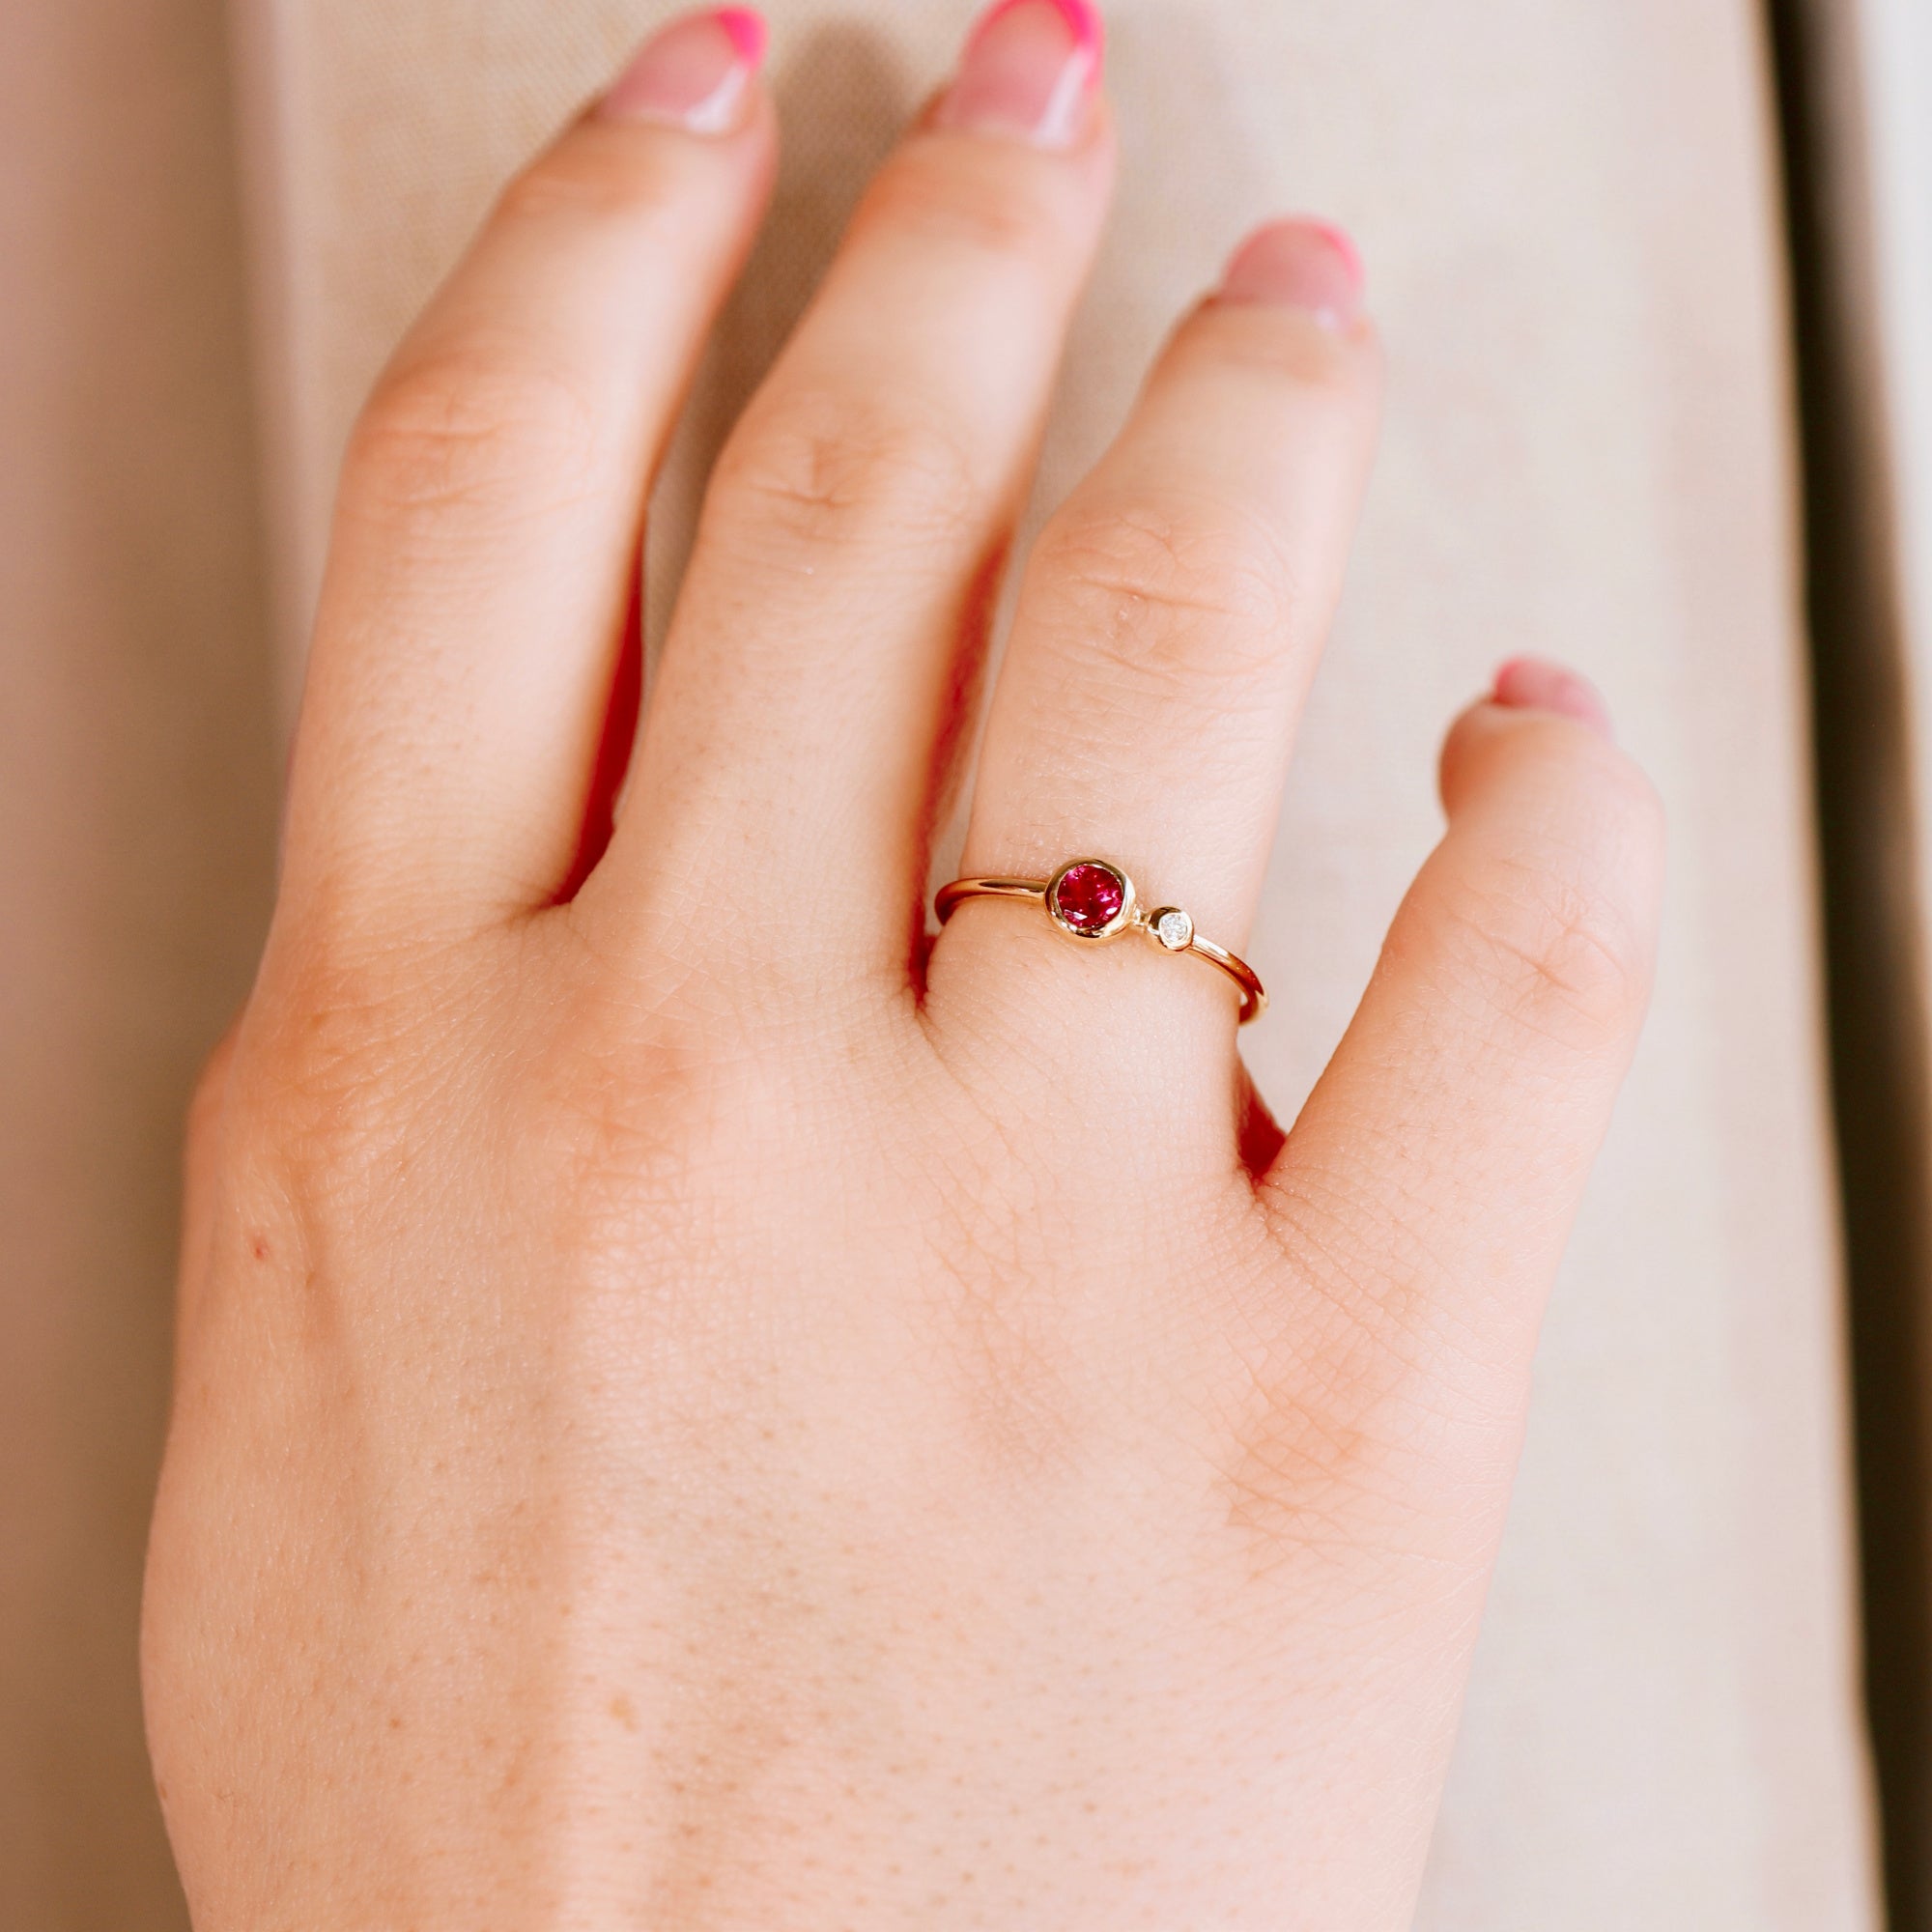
(857, 519)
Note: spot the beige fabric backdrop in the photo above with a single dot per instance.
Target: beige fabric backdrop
(137, 789)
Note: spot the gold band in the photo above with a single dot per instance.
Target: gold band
(1093, 900)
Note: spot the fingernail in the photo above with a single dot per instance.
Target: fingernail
(1300, 264)
(1535, 684)
(695, 73)
(1030, 73)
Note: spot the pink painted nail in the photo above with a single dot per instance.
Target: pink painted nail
(1535, 684)
(695, 73)
(1030, 73)
(1298, 263)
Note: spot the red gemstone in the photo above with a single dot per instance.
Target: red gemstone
(1089, 897)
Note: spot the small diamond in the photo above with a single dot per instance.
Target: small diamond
(1174, 928)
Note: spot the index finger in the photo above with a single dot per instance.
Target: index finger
(491, 502)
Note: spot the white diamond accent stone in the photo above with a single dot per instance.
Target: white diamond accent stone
(1174, 929)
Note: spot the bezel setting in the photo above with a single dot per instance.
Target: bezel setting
(1170, 928)
(1089, 935)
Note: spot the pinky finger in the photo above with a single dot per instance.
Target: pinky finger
(1437, 1165)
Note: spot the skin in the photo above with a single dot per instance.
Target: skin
(697, 1411)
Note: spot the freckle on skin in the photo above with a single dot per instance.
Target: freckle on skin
(624, 1711)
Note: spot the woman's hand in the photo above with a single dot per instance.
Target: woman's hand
(694, 1413)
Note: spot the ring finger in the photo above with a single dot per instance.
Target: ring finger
(1170, 619)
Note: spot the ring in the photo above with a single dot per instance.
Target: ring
(1093, 900)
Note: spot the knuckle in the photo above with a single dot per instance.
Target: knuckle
(210, 1092)
(475, 426)
(819, 469)
(1561, 950)
(1185, 595)
(617, 1103)
(1334, 1413)
(333, 1059)
(207, 1109)
(624, 1109)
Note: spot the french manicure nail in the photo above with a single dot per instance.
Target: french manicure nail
(695, 74)
(1030, 73)
(1300, 264)
(1535, 684)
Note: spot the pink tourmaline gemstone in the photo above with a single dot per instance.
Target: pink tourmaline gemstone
(1088, 896)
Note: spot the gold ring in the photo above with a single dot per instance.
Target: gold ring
(1093, 900)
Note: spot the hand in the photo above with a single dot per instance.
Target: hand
(696, 1413)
